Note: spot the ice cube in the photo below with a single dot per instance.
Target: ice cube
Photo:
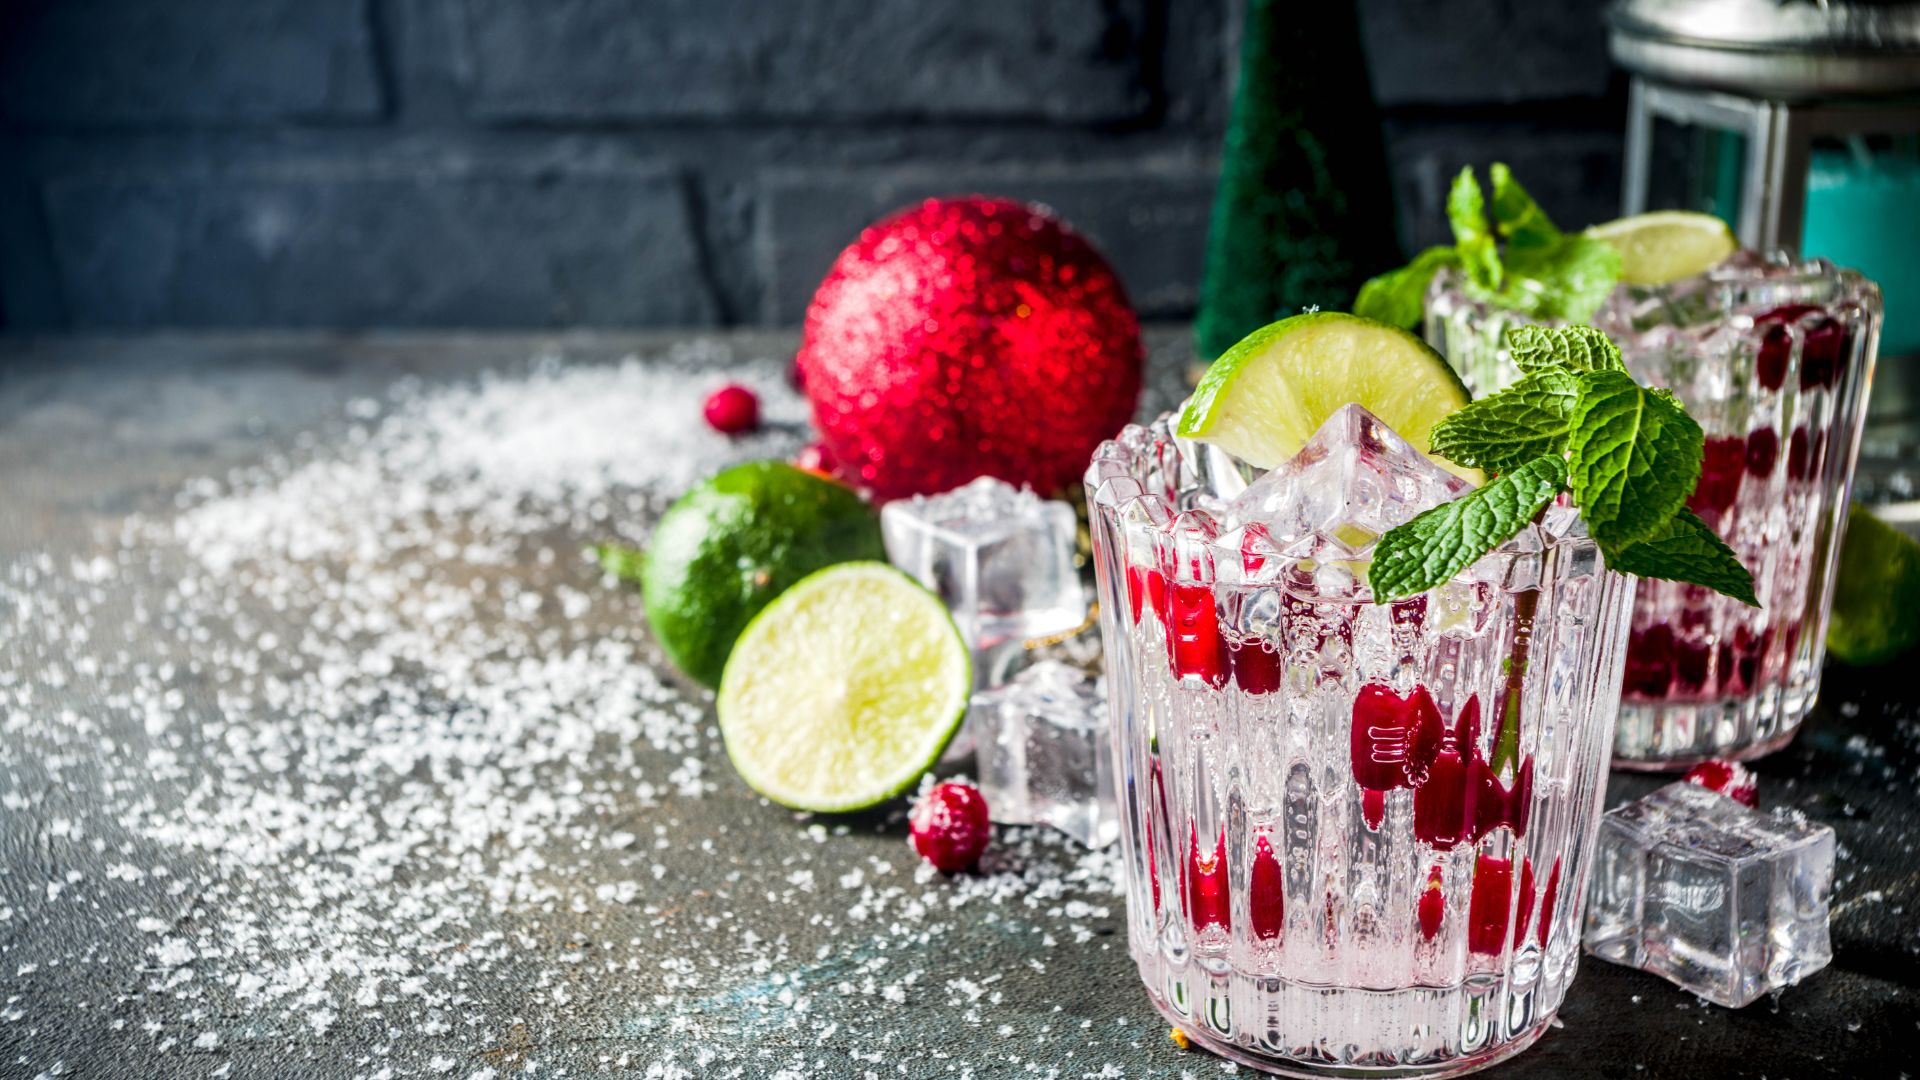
(1720, 899)
(1043, 753)
(1354, 480)
(1000, 557)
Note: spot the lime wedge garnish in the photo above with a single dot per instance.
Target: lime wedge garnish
(1666, 245)
(1265, 397)
(1876, 596)
(844, 690)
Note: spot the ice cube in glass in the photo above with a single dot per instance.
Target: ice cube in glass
(1720, 899)
(1001, 558)
(1041, 745)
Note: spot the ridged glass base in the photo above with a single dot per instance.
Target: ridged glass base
(1673, 736)
(1316, 1032)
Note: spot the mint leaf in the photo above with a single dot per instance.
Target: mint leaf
(1445, 540)
(1568, 279)
(1633, 457)
(1685, 549)
(621, 562)
(1399, 297)
(1525, 421)
(1472, 239)
(1517, 216)
(1563, 348)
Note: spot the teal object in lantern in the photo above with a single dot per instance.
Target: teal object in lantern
(1863, 211)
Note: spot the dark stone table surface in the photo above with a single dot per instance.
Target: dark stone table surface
(288, 790)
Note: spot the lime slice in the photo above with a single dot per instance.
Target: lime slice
(731, 545)
(1265, 397)
(844, 690)
(1666, 245)
(1876, 595)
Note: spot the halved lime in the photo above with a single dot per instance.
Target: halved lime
(1666, 245)
(1265, 397)
(1876, 595)
(844, 690)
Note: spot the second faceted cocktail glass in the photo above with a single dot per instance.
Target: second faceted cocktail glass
(1357, 835)
(1774, 359)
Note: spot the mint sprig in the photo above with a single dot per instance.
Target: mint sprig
(1577, 422)
(1542, 273)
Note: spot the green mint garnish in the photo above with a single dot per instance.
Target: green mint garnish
(1543, 273)
(624, 563)
(1399, 297)
(1577, 422)
(1685, 549)
(1633, 456)
(1555, 348)
(1530, 418)
(1447, 539)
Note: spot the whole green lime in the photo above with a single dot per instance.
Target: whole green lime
(1876, 595)
(732, 544)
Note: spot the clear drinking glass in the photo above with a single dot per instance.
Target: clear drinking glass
(1356, 835)
(1774, 358)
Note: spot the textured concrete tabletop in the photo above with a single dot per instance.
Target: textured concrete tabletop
(325, 753)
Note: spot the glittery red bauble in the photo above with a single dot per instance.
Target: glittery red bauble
(969, 337)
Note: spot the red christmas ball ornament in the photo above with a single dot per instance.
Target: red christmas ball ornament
(967, 337)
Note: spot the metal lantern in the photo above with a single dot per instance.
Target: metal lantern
(1781, 73)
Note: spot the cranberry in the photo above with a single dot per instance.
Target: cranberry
(949, 826)
(1649, 662)
(1692, 661)
(1525, 912)
(1266, 886)
(1763, 449)
(1729, 778)
(1547, 898)
(1488, 910)
(1433, 905)
(1257, 666)
(1720, 470)
(732, 410)
(1207, 883)
(1821, 354)
(1776, 348)
(1394, 739)
(1799, 458)
(1194, 644)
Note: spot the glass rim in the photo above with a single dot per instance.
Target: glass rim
(1117, 484)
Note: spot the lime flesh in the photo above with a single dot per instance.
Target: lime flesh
(844, 690)
(1666, 245)
(1265, 397)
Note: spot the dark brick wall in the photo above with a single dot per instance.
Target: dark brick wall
(676, 162)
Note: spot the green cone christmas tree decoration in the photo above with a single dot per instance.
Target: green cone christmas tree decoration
(1304, 210)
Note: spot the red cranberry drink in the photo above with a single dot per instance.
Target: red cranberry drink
(1357, 826)
(1773, 357)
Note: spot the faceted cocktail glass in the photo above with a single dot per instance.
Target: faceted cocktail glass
(1356, 835)
(1774, 359)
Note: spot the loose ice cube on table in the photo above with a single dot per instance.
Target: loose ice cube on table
(1042, 744)
(1001, 558)
(1720, 899)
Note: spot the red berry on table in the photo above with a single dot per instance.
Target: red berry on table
(733, 409)
(1729, 778)
(949, 826)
